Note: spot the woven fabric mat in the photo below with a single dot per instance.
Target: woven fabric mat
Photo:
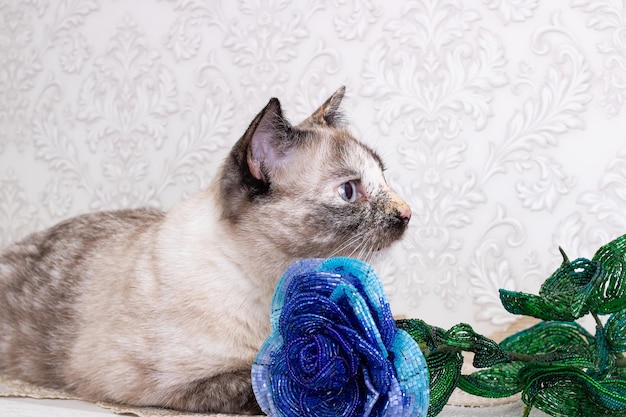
(16, 388)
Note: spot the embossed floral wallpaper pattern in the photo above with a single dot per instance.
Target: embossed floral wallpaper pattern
(502, 121)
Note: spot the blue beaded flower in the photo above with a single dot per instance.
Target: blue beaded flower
(335, 349)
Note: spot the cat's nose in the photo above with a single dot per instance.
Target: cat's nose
(405, 215)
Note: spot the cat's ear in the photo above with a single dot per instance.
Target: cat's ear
(267, 140)
(328, 113)
(246, 171)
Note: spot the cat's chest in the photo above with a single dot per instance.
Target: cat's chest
(222, 336)
(221, 302)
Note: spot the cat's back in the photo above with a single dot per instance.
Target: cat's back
(64, 245)
(41, 277)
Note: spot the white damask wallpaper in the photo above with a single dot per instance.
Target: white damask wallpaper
(502, 121)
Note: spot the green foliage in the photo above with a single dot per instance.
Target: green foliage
(616, 332)
(501, 380)
(444, 365)
(557, 365)
(568, 391)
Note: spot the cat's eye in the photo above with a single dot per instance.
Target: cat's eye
(348, 191)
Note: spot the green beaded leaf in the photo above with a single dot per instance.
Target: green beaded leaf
(534, 306)
(554, 341)
(460, 335)
(488, 353)
(616, 332)
(498, 381)
(609, 293)
(568, 391)
(562, 297)
(571, 284)
(444, 364)
(444, 369)
(606, 361)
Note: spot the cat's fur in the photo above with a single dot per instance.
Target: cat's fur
(169, 309)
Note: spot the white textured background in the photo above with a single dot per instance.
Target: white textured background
(502, 121)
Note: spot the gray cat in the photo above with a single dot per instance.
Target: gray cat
(147, 308)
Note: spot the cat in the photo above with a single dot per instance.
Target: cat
(147, 308)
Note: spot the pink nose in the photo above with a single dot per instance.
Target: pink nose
(405, 215)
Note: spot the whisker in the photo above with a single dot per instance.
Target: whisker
(356, 246)
(347, 243)
(354, 249)
(359, 250)
(369, 254)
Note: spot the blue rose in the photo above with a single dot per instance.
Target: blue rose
(335, 349)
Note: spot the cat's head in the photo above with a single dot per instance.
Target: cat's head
(310, 190)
